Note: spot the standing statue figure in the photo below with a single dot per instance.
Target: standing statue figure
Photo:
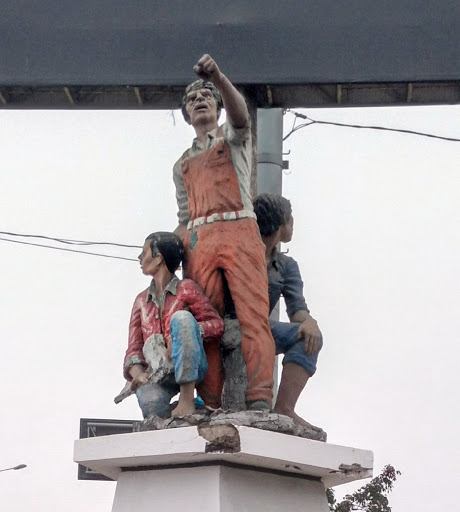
(224, 251)
(169, 322)
(300, 340)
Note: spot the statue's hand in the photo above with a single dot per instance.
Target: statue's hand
(309, 331)
(207, 69)
(139, 379)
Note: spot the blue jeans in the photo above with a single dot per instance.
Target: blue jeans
(286, 342)
(189, 362)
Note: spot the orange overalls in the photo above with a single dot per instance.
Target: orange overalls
(230, 250)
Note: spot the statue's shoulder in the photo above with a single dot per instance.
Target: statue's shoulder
(141, 297)
(287, 261)
(187, 285)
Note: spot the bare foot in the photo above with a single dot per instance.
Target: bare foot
(297, 419)
(183, 409)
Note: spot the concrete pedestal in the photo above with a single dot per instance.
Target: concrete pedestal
(221, 469)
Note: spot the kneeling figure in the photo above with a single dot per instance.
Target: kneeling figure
(169, 322)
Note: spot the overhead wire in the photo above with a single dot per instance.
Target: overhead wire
(68, 250)
(359, 126)
(69, 240)
(294, 128)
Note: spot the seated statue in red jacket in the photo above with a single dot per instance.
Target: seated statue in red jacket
(170, 322)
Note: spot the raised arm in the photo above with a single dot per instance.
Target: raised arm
(234, 103)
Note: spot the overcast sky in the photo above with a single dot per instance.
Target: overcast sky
(376, 235)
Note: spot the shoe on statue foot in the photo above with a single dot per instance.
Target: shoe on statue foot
(259, 405)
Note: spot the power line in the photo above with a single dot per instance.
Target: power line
(69, 240)
(367, 127)
(68, 250)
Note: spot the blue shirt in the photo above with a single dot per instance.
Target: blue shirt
(284, 279)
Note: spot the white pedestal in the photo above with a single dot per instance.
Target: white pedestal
(266, 471)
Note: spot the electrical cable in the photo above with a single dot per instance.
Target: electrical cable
(69, 240)
(293, 129)
(368, 127)
(68, 250)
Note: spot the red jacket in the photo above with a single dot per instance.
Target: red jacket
(147, 319)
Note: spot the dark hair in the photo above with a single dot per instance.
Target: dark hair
(170, 246)
(272, 212)
(195, 86)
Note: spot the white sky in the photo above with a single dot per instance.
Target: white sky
(377, 239)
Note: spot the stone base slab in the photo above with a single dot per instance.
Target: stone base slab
(238, 445)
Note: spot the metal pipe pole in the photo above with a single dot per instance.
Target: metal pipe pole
(270, 173)
(269, 150)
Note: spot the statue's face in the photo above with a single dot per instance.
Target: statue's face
(149, 264)
(287, 230)
(201, 106)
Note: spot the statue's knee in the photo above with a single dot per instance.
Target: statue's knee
(181, 317)
(153, 400)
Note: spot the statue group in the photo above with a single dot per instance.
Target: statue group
(233, 271)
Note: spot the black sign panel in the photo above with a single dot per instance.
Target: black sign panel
(96, 428)
(102, 42)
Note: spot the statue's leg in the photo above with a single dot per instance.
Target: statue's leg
(298, 367)
(189, 359)
(246, 274)
(202, 267)
(286, 341)
(154, 398)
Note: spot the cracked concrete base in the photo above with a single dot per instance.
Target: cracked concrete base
(220, 438)
(263, 420)
(221, 466)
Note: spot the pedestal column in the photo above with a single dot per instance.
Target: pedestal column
(221, 468)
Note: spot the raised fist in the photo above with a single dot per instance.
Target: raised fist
(207, 69)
